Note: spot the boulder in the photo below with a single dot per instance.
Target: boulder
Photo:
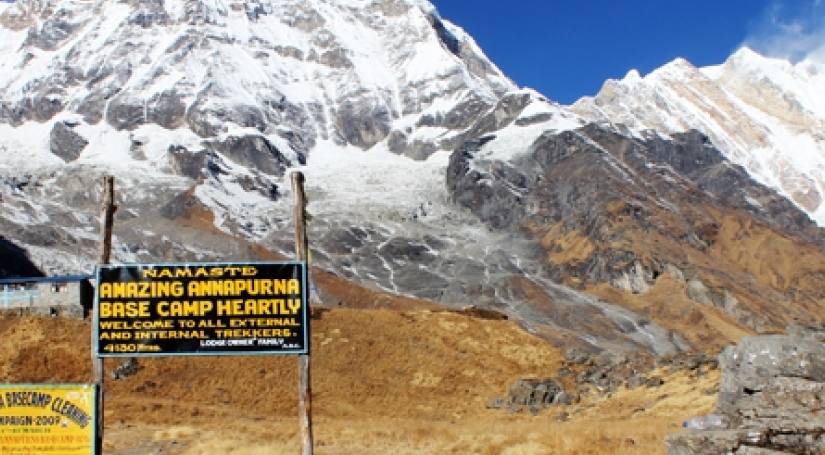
(772, 377)
(636, 381)
(709, 442)
(771, 396)
(532, 395)
(187, 163)
(533, 392)
(563, 398)
(362, 123)
(66, 143)
(252, 151)
(128, 368)
(577, 356)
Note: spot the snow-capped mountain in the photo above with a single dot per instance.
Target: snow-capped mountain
(765, 114)
(195, 73)
(216, 98)
(429, 173)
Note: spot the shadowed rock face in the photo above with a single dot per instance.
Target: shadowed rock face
(254, 152)
(65, 143)
(364, 125)
(14, 261)
(581, 172)
(747, 107)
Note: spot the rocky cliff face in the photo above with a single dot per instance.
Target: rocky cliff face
(770, 398)
(634, 218)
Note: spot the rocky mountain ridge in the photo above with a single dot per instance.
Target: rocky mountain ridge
(765, 114)
(600, 207)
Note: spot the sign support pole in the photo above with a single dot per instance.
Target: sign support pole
(106, 222)
(304, 381)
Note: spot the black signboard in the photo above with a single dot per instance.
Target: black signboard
(201, 309)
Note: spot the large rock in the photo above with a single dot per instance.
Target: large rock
(363, 124)
(252, 151)
(54, 31)
(531, 394)
(713, 442)
(166, 109)
(188, 163)
(66, 143)
(492, 200)
(126, 112)
(209, 115)
(775, 380)
(534, 392)
(771, 396)
(461, 116)
(745, 442)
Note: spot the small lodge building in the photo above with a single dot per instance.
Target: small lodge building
(68, 296)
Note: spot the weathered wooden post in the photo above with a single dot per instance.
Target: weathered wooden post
(107, 214)
(304, 381)
(107, 219)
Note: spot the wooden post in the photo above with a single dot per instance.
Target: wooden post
(106, 222)
(107, 219)
(304, 380)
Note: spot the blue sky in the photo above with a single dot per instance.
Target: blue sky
(566, 48)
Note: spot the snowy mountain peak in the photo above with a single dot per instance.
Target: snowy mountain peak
(676, 67)
(632, 76)
(744, 54)
(766, 114)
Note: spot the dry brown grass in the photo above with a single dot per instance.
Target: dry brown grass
(384, 381)
(776, 277)
(667, 303)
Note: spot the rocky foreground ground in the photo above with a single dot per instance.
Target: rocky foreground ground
(771, 401)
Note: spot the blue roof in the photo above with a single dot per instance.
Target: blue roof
(45, 279)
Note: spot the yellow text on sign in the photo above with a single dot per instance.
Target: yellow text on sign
(47, 419)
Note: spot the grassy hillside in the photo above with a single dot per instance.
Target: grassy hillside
(384, 381)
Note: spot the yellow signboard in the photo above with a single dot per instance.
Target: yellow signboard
(47, 419)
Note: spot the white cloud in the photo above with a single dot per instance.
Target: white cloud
(790, 29)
